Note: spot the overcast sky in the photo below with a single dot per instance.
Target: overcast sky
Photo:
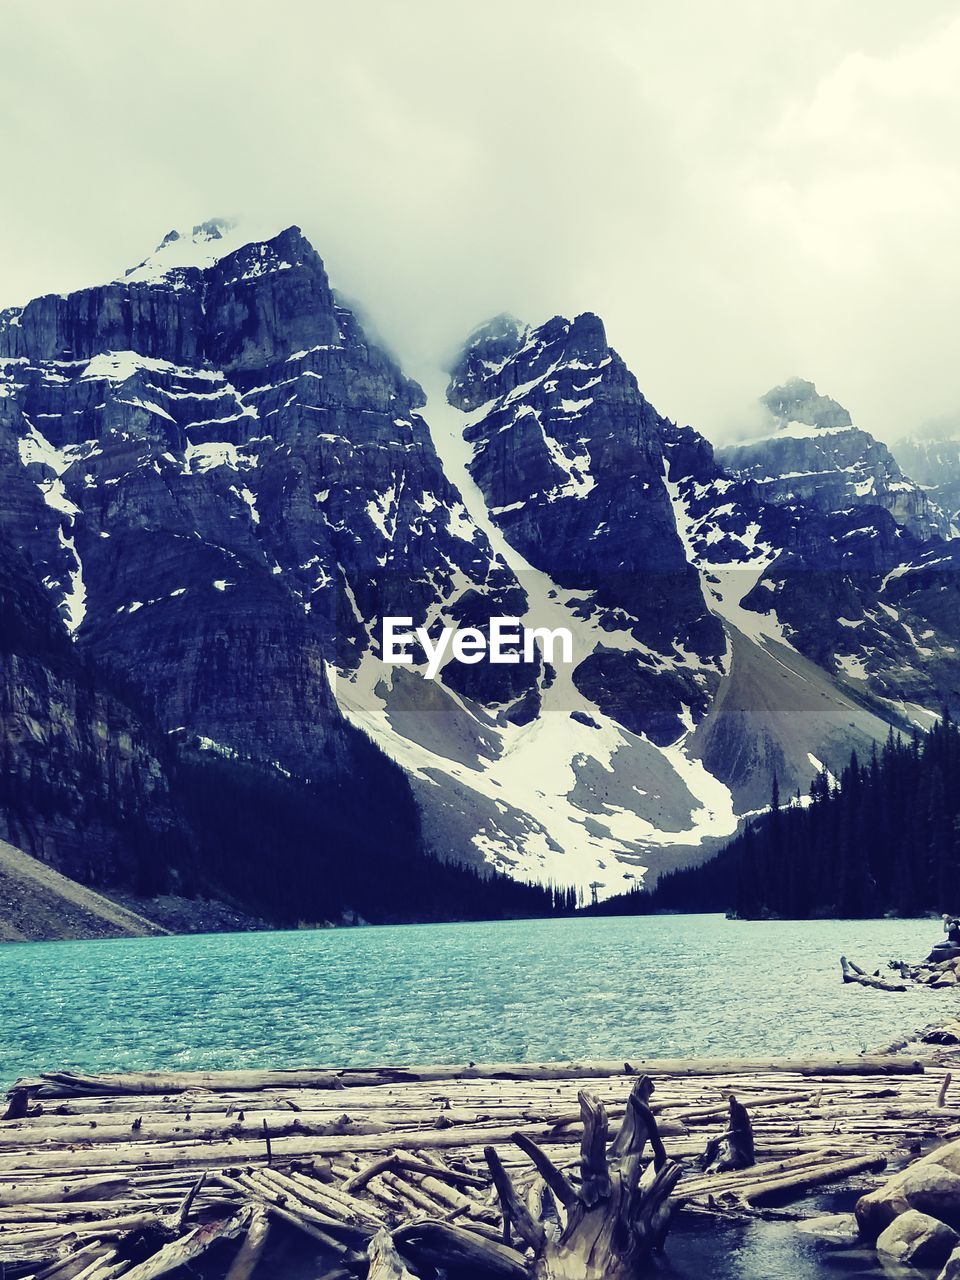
(743, 191)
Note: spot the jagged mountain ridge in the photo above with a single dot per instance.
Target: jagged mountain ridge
(933, 460)
(742, 728)
(225, 484)
(569, 456)
(843, 601)
(263, 502)
(849, 578)
(811, 452)
(164, 493)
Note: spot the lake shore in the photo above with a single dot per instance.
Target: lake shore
(39, 904)
(825, 1131)
(343, 1153)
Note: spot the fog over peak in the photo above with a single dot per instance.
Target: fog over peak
(740, 195)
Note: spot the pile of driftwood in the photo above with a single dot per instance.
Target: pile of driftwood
(931, 973)
(557, 1170)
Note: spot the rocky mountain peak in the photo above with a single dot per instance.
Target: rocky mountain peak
(214, 298)
(500, 328)
(798, 401)
(201, 247)
(503, 355)
(813, 453)
(208, 244)
(569, 457)
(221, 484)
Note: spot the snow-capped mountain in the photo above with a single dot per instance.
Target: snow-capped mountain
(811, 452)
(869, 604)
(224, 485)
(569, 457)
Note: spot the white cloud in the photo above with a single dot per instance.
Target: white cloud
(743, 191)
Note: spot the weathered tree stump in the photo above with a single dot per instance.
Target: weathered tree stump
(734, 1148)
(607, 1226)
(385, 1262)
(19, 1104)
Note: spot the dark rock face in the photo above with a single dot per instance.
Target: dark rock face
(902, 643)
(225, 486)
(633, 690)
(815, 455)
(569, 456)
(84, 781)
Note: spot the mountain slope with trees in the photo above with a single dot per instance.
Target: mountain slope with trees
(883, 838)
(95, 794)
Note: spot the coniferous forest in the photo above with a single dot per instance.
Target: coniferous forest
(342, 849)
(882, 838)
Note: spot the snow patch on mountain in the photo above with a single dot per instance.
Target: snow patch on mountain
(728, 582)
(545, 768)
(207, 244)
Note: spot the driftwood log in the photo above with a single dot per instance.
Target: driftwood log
(931, 973)
(936, 973)
(70, 1084)
(853, 973)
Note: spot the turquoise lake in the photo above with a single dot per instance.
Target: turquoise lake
(522, 990)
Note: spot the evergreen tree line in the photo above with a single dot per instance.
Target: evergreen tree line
(351, 846)
(285, 850)
(883, 838)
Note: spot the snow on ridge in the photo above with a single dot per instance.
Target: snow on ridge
(459, 522)
(249, 499)
(795, 431)
(574, 407)
(36, 449)
(319, 346)
(118, 366)
(263, 260)
(75, 598)
(216, 453)
(206, 245)
(576, 467)
(148, 406)
(726, 585)
(382, 512)
(538, 767)
(852, 666)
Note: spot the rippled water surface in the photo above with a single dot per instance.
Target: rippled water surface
(530, 990)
